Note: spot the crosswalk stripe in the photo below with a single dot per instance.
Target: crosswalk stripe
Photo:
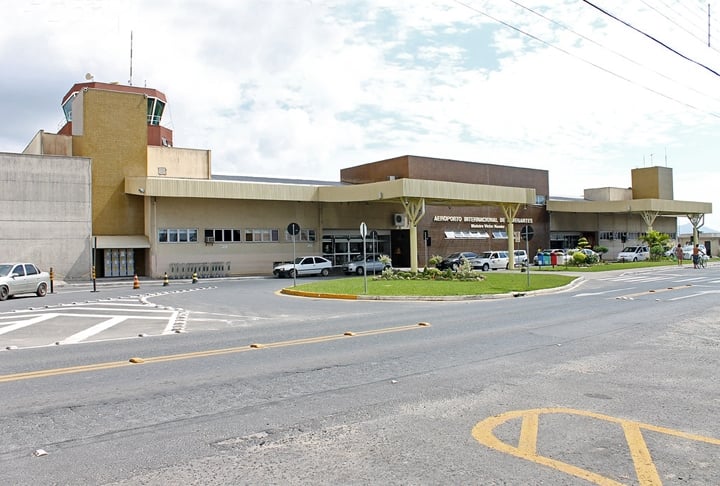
(28, 322)
(91, 331)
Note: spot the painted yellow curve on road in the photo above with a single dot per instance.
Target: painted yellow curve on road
(645, 469)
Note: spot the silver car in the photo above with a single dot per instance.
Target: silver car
(358, 266)
(22, 278)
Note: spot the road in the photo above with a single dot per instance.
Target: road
(613, 381)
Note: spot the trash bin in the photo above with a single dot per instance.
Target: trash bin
(553, 259)
(546, 259)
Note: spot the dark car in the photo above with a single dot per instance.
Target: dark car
(454, 260)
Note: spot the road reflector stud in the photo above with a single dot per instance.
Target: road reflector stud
(424, 324)
(137, 360)
(256, 346)
(348, 333)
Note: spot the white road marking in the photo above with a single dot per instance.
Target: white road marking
(96, 329)
(15, 325)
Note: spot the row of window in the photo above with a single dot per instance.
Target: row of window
(230, 235)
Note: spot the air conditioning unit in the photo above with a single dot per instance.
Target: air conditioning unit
(399, 219)
(209, 240)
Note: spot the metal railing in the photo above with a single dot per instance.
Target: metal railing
(202, 270)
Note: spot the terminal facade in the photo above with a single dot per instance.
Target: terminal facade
(111, 192)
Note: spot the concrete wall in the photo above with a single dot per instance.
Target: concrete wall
(46, 212)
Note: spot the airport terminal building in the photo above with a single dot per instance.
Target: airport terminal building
(110, 191)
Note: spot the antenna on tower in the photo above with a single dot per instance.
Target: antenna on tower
(131, 47)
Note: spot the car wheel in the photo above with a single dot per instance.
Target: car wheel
(41, 290)
(507, 266)
(454, 267)
(325, 272)
(360, 270)
(4, 293)
(485, 267)
(635, 259)
(291, 273)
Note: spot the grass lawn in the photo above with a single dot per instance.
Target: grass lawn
(603, 267)
(494, 283)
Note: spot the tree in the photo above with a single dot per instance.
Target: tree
(657, 242)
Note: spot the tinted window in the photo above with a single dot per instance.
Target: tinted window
(31, 270)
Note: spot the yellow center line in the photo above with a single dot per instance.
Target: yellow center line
(653, 291)
(203, 354)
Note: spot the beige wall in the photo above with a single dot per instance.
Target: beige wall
(250, 258)
(178, 162)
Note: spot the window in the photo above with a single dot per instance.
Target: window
(500, 235)
(305, 235)
(223, 235)
(262, 235)
(177, 235)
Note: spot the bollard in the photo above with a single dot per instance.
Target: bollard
(194, 278)
(166, 282)
(52, 280)
(136, 282)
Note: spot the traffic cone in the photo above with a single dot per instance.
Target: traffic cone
(136, 282)
(194, 277)
(166, 282)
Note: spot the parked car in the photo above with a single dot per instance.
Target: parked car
(454, 260)
(634, 254)
(359, 266)
(491, 260)
(22, 278)
(590, 255)
(304, 265)
(521, 257)
(688, 251)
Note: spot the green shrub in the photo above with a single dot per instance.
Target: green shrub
(579, 258)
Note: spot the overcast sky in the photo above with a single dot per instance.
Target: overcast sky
(303, 88)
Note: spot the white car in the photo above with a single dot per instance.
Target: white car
(521, 257)
(304, 265)
(22, 278)
(634, 254)
(688, 252)
(491, 260)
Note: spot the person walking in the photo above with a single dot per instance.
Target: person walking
(679, 254)
(695, 255)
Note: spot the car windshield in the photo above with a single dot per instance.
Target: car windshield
(453, 256)
(299, 260)
(5, 270)
(359, 258)
(629, 249)
(485, 254)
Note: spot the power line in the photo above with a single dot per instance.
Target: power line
(597, 66)
(613, 51)
(652, 38)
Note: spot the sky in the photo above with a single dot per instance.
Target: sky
(303, 88)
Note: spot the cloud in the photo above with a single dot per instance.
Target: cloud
(303, 88)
